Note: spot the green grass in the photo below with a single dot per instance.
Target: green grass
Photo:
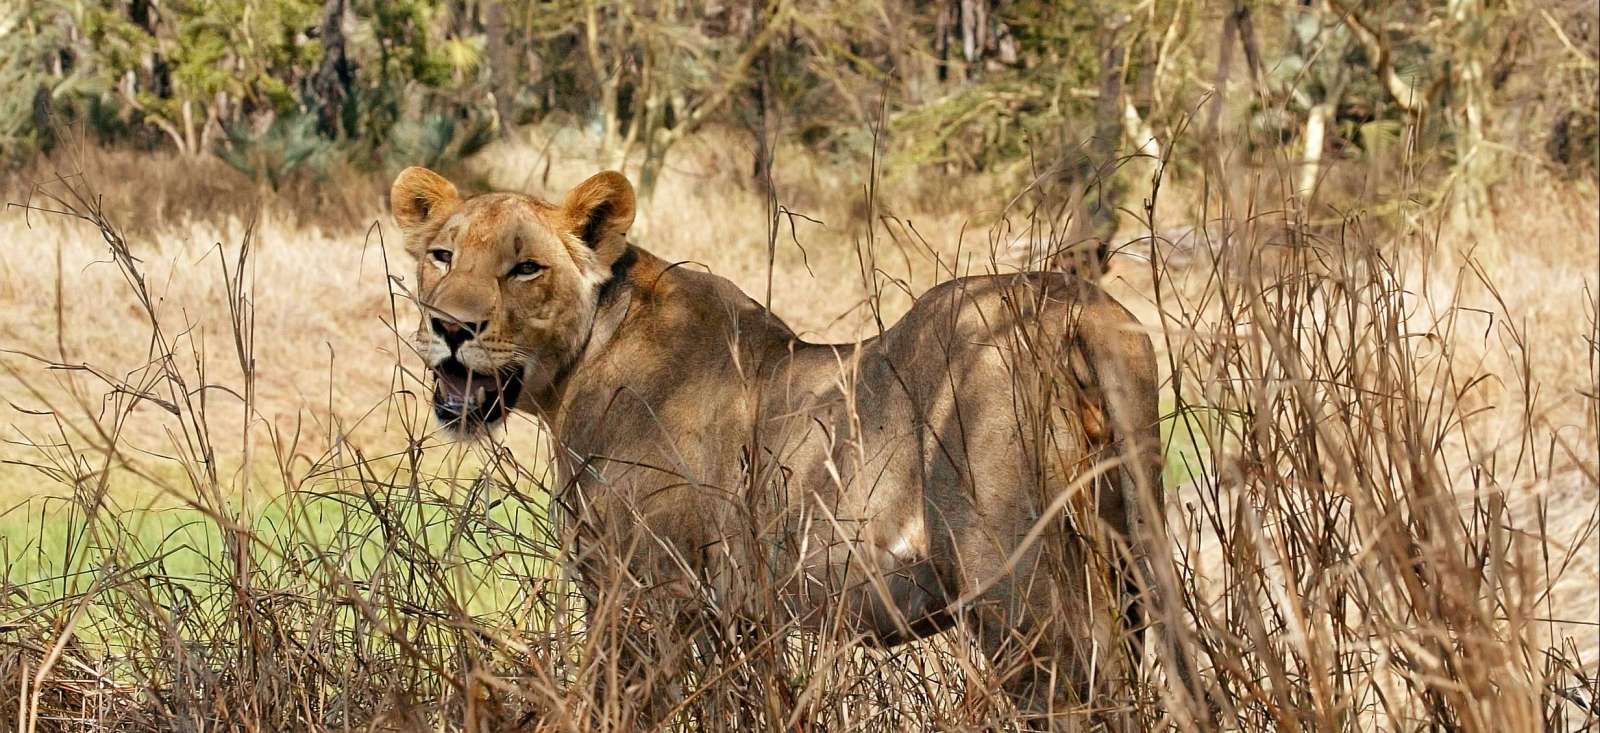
(1187, 452)
(478, 540)
(467, 523)
(480, 536)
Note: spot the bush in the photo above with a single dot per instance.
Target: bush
(287, 145)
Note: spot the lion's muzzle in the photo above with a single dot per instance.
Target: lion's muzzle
(467, 395)
(466, 400)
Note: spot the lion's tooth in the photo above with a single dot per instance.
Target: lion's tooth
(479, 394)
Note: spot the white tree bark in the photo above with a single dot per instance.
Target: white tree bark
(1315, 138)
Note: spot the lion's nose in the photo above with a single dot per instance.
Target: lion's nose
(455, 333)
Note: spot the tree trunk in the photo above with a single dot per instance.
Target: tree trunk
(1474, 161)
(1089, 176)
(606, 78)
(974, 27)
(330, 86)
(1315, 138)
(502, 68)
(1102, 195)
(1230, 31)
(942, 29)
(1246, 26)
(44, 117)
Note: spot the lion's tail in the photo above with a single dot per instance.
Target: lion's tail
(1118, 365)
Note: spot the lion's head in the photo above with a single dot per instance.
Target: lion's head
(507, 284)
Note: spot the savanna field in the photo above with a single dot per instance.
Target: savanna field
(225, 502)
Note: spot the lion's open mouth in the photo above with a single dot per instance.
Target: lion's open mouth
(465, 399)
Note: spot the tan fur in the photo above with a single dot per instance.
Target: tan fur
(978, 463)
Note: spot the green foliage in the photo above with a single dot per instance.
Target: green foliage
(18, 73)
(36, 99)
(1028, 99)
(966, 85)
(202, 73)
(287, 145)
(978, 128)
(436, 140)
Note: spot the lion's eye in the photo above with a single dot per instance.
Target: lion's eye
(441, 256)
(526, 268)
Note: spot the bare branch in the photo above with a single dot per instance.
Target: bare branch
(1403, 93)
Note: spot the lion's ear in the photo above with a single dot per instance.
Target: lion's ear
(420, 197)
(599, 211)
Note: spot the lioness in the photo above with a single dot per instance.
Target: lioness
(981, 462)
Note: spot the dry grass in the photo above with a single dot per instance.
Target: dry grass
(161, 193)
(1389, 445)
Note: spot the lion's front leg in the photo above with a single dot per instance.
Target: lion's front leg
(637, 651)
(637, 639)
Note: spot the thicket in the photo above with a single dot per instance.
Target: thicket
(1042, 91)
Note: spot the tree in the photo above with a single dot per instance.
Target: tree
(330, 87)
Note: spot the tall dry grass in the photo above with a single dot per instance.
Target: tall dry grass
(1382, 465)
